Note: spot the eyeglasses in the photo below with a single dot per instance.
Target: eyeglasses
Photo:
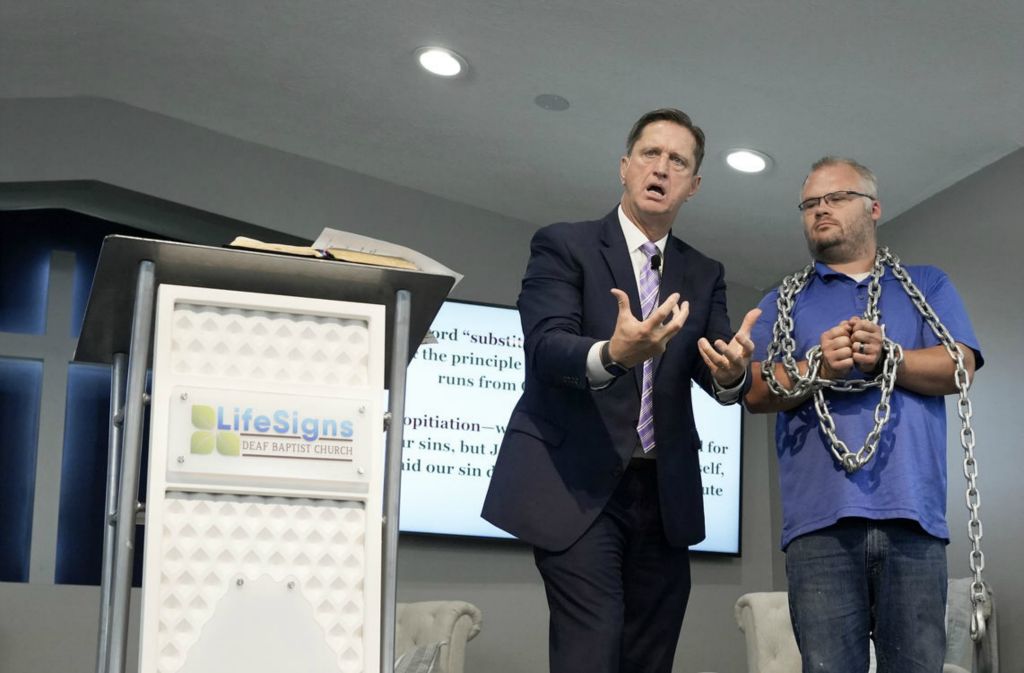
(831, 199)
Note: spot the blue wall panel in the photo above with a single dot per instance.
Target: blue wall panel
(21, 384)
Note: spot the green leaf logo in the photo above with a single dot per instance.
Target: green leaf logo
(229, 444)
(204, 416)
(202, 442)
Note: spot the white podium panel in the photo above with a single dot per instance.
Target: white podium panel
(264, 508)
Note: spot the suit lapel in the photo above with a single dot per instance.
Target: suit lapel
(675, 278)
(616, 256)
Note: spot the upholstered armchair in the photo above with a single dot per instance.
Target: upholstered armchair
(771, 647)
(448, 625)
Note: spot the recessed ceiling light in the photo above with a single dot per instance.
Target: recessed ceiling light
(748, 161)
(441, 62)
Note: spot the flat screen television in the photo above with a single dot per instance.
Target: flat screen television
(459, 396)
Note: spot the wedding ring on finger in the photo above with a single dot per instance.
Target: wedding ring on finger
(860, 347)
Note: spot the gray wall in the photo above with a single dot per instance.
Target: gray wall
(92, 139)
(973, 231)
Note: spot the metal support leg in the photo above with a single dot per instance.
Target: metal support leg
(393, 478)
(117, 383)
(128, 495)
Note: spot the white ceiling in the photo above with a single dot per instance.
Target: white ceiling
(925, 92)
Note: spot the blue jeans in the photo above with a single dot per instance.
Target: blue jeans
(862, 578)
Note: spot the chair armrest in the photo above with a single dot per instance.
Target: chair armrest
(764, 619)
(452, 623)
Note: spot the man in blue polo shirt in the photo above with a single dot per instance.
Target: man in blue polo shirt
(864, 530)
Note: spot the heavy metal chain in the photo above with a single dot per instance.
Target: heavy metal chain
(783, 344)
(979, 595)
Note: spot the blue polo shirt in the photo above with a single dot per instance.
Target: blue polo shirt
(906, 478)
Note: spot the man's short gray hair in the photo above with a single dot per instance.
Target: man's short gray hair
(870, 181)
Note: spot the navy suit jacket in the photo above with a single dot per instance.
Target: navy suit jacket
(567, 446)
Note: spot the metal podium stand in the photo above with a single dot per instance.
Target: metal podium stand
(119, 330)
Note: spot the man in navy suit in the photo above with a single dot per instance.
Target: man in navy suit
(599, 467)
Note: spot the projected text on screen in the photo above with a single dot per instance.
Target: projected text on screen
(460, 394)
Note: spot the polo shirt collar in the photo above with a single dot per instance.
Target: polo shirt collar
(825, 272)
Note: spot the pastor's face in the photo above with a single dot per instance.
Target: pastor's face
(658, 174)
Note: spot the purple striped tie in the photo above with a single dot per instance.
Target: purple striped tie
(649, 283)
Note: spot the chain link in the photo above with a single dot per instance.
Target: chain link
(783, 345)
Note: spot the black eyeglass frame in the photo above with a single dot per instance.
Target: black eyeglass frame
(807, 204)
